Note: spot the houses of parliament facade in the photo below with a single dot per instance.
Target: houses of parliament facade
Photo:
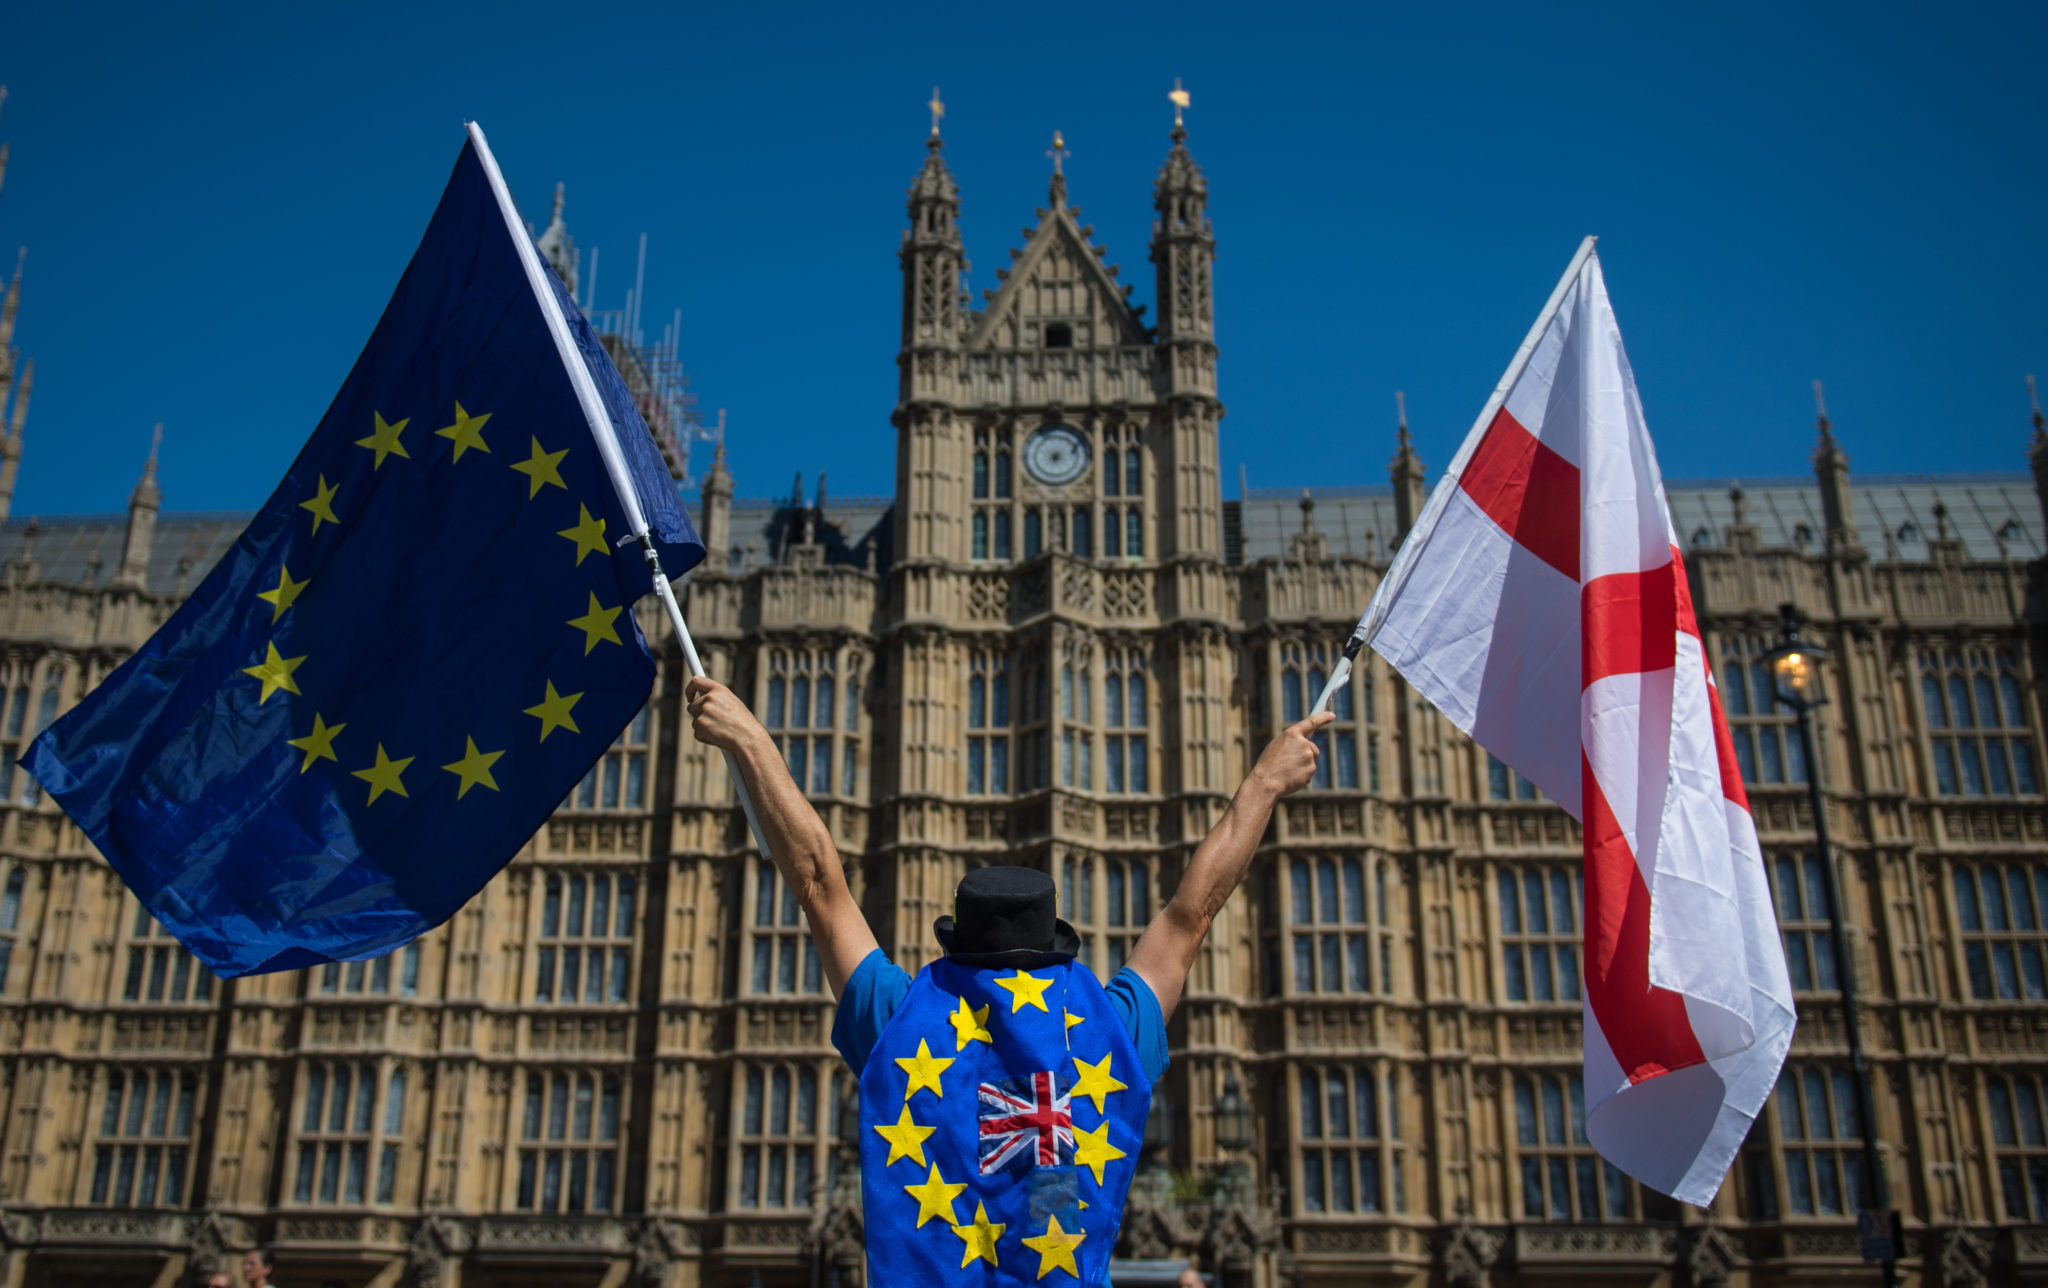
(1058, 644)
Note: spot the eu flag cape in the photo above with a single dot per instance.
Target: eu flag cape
(419, 645)
(1002, 1115)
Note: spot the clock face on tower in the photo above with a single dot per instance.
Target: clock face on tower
(1056, 455)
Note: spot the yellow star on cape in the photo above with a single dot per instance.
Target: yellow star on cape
(597, 624)
(474, 768)
(275, 672)
(1055, 1248)
(466, 432)
(935, 1198)
(588, 534)
(384, 775)
(1095, 1081)
(980, 1238)
(1026, 990)
(319, 744)
(542, 468)
(1073, 1019)
(924, 1069)
(385, 441)
(1093, 1151)
(553, 712)
(906, 1138)
(287, 591)
(322, 504)
(970, 1026)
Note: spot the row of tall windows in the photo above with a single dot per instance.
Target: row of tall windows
(1347, 1160)
(778, 1135)
(585, 952)
(569, 1138)
(782, 959)
(1562, 1178)
(1111, 929)
(24, 692)
(145, 1138)
(1125, 706)
(1058, 527)
(619, 778)
(345, 1133)
(1540, 911)
(1977, 723)
(1304, 671)
(1338, 920)
(807, 710)
(1817, 1169)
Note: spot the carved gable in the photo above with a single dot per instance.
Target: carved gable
(1058, 281)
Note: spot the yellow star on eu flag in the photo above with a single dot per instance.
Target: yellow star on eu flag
(1055, 1248)
(970, 1026)
(287, 591)
(384, 775)
(1093, 1151)
(597, 624)
(1073, 1019)
(935, 1198)
(467, 432)
(588, 534)
(542, 468)
(384, 442)
(553, 712)
(979, 1238)
(322, 504)
(319, 744)
(924, 1069)
(275, 672)
(1026, 990)
(906, 1138)
(1095, 1080)
(474, 768)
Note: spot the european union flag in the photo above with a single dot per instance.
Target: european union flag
(418, 647)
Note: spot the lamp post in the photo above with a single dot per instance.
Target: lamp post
(1796, 679)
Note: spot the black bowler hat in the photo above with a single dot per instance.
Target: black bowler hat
(1003, 916)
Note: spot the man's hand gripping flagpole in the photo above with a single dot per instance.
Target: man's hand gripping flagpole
(606, 435)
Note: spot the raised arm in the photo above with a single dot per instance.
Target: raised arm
(1167, 950)
(798, 840)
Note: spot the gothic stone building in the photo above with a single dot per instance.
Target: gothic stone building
(1057, 644)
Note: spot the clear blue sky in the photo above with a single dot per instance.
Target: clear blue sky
(217, 202)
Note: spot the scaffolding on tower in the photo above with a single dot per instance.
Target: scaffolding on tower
(653, 372)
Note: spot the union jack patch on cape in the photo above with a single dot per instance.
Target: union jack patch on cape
(1026, 1123)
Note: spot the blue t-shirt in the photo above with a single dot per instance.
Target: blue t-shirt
(878, 986)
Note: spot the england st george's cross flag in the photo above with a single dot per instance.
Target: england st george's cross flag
(1541, 604)
(420, 644)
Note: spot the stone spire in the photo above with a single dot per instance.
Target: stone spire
(716, 505)
(143, 505)
(10, 443)
(2037, 451)
(1183, 253)
(1405, 472)
(932, 255)
(1831, 467)
(558, 248)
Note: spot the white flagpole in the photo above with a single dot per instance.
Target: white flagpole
(605, 435)
(1404, 561)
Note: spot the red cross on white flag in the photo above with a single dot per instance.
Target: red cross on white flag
(1541, 603)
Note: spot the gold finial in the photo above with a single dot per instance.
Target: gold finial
(1058, 152)
(1180, 99)
(938, 108)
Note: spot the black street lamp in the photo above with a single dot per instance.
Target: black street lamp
(1796, 676)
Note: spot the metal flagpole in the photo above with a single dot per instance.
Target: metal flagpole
(1404, 559)
(606, 437)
